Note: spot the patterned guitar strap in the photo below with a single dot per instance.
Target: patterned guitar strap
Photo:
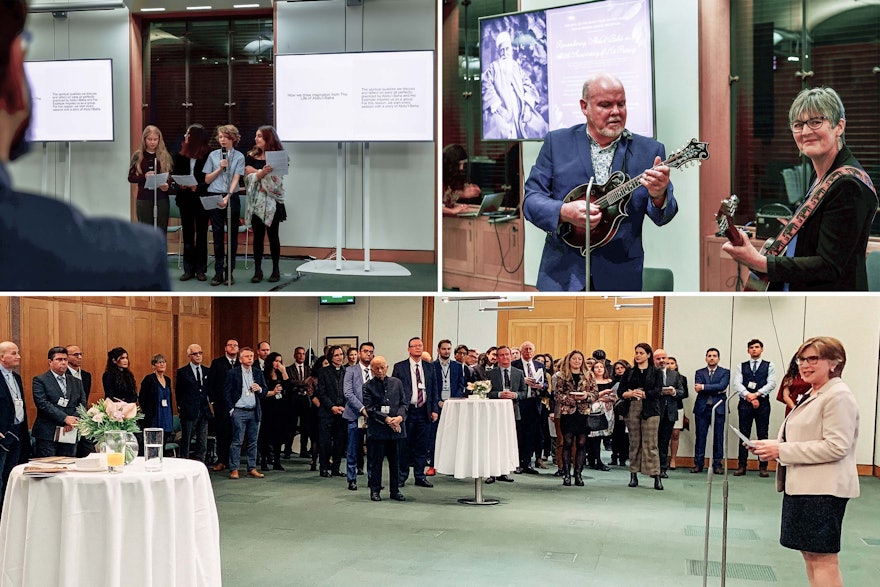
(778, 245)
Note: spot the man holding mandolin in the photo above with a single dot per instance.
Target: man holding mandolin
(604, 150)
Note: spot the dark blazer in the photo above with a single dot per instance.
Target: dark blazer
(217, 383)
(114, 393)
(565, 163)
(669, 403)
(149, 398)
(192, 400)
(714, 389)
(385, 392)
(432, 396)
(331, 390)
(7, 406)
(187, 199)
(830, 251)
(112, 255)
(684, 384)
(653, 383)
(86, 381)
(47, 392)
(457, 378)
(232, 389)
(517, 385)
(299, 385)
(543, 392)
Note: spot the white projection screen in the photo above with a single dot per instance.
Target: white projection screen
(342, 97)
(72, 100)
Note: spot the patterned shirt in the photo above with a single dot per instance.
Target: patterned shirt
(602, 158)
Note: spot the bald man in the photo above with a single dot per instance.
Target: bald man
(13, 417)
(569, 157)
(385, 402)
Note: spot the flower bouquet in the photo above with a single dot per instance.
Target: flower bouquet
(479, 388)
(109, 415)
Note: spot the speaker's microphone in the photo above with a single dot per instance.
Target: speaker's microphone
(224, 155)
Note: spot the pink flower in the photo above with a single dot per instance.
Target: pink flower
(97, 417)
(129, 411)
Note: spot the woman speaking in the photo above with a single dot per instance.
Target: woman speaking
(265, 204)
(816, 454)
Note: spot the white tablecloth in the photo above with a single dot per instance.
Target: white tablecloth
(476, 438)
(102, 529)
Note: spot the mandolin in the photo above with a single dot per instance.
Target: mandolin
(613, 196)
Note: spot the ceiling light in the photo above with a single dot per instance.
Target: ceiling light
(245, 5)
(198, 8)
(152, 10)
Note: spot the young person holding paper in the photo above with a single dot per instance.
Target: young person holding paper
(189, 164)
(151, 159)
(222, 170)
(265, 204)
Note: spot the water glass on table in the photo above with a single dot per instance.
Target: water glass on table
(154, 448)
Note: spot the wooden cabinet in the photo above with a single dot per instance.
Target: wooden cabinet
(482, 256)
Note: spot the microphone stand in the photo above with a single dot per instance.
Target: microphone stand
(724, 493)
(229, 260)
(587, 236)
(154, 169)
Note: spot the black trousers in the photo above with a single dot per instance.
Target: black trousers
(761, 417)
(664, 435)
(218, 221)
(333, 437)
(526, 431)
(377, 451)
(197, 430)
(260, 231)
(194, 220)
(414, 448)
(619, 441)
(223, 432)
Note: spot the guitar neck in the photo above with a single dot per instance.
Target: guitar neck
(629, 186)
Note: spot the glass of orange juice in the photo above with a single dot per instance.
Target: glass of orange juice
(114, 448)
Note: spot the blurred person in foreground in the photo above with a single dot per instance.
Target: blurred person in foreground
(40, 233)
(816, 460)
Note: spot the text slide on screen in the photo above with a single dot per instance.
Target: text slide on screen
(546, 55)
(72, 100)
(342, 97)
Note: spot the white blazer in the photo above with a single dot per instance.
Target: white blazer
(817, 444)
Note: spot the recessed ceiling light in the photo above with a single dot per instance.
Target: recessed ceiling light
(152, 10)
(198, 8)
(245, 5)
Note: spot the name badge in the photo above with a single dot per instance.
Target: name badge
(385, 409)
(164, 403)
(752, 385)
(62, 401)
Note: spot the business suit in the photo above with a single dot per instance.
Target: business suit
(517, 385)
(668, 413)
(85, 446)
(194, 409)
(301, 414)
(714, 390)
(528, 435)
(384, 398)
(453, 378)
(565, 163)
(11, 448)
(245, 421)
(50, 414)
(111, 255)
(414, 449)
(332, 427)
(353, 389)
(193, 216)
(219, 368)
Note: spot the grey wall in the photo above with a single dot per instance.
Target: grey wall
(402, 184)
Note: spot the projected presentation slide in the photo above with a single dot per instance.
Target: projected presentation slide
(534, 64)
(72, 100)
(341, 97)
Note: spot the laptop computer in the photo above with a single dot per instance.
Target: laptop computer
(490, 203)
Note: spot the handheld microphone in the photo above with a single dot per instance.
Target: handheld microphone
(224, 155)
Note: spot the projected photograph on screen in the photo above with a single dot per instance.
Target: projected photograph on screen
(72, 100)
(340, 97)
(533, 66)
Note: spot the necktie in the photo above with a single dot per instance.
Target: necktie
(420, 401)
(300, 369)
(199, 376)
(754, 366)
(62, 383)
(711, 374)
(528, 368)
(366, 374)
(506, 379)
(664, 377)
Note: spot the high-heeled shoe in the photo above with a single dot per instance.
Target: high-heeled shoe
(658, 484)
(633, 480)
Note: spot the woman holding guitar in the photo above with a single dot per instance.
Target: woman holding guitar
(823, 247)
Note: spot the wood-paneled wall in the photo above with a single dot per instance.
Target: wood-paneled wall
(143, 325)
(560, 324)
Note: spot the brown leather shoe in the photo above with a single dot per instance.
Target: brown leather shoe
(219, 467)
(763, 473)
(234, 475)
(739, 472)
(255, 473)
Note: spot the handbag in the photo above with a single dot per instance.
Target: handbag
(597, 421)
(621, 407)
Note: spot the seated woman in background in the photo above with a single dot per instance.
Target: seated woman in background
(150, 159)
(155, 397)
(455, 186)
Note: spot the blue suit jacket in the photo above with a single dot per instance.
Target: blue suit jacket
(457, 381)
(565, 163)
(232, 388)
(714, 389)
(353, 389)
(432, 395)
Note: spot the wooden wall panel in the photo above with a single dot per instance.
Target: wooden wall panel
(5, 318)
(194, 330)
(119, 329)
(139, 302)
(38, 335)
(94, 346)
(141, 351)
(70, 323)
(162, 339)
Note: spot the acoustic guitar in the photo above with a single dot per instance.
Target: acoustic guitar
(613, 196)
(755, 281)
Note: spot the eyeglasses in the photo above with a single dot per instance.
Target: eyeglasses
(76, 354)
(192, 354)
(814, 123)
(811, 360)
